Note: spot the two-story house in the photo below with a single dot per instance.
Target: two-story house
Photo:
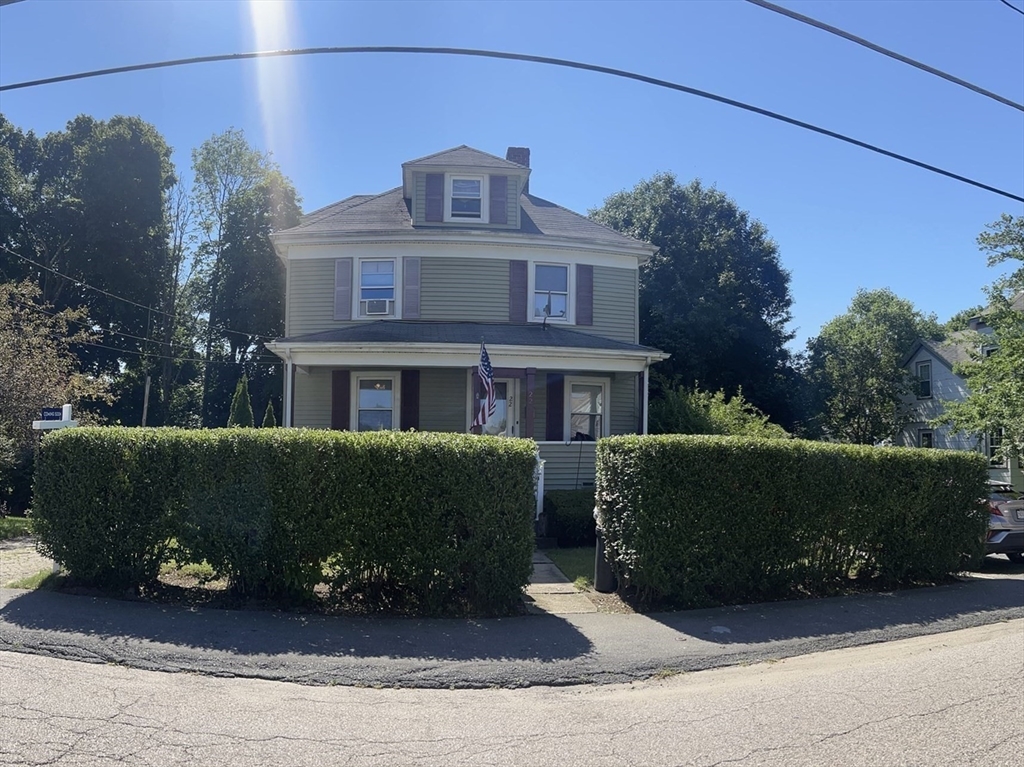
(389, 297)
(931, 364)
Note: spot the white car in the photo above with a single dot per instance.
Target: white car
(1005, 522)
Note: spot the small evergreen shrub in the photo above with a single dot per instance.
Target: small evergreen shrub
(696, 521)
(241, 405)
(571, 516)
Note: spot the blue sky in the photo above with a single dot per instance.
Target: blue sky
(338, 125)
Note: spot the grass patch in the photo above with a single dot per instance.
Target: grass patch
(576, 564)
(44, 579)
(14, 527)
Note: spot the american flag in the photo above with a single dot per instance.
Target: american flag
(488, 403)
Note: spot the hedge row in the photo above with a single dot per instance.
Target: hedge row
(424, 523)
(571, 516)
(699, 520)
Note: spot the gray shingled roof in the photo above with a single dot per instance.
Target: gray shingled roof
(334, 207)
(951, 351)
(466, 155)
(496, 334)
(389, 213)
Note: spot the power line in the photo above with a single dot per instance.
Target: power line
(885, 51)
(80, 283)
(517, 57)
(178, 359)
(1014, 7)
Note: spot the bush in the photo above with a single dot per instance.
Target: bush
(571, 516)
(679, 410)
(704, 520)
(424, 523)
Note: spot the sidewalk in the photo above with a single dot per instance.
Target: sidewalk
(556, 647)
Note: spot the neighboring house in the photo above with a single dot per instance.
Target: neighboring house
(389, 297)
(931, 364)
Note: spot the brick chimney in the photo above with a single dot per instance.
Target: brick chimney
(520, 155)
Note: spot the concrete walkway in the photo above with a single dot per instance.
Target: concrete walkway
(551, 593)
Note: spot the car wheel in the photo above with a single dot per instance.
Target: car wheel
(1016, 557)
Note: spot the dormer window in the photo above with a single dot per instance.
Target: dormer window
(465, 198)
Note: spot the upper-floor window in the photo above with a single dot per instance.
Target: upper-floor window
(993, 447)
(924, 380)
(551, 291)
(377, 288)
(466, 198)
(925, 438)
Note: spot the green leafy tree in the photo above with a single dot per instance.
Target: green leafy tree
(855, 367)
(241, 406)
(39, 369)
(681, 410)
(715, 295)
(995, 402)
(269, 421)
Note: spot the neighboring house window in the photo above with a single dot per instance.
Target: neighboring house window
(377, 288)
(466, 198)
(375, 403)
(995, 442)
(587, 412)
(551, 291)
(925, 438)
(924, 380)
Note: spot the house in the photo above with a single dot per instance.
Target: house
(389, 297)
(931, 364)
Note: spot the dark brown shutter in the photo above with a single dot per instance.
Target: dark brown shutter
(584, 294)
(410, 400)
(518, 300)
(341, 399)
(435, 197)
(499, 200)
(343, 289)
(411, 289)
(554, 428)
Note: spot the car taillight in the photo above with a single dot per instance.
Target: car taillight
(993, 509)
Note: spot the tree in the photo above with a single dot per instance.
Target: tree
(241, 406)
(269, 421)
(855, 366)
(39, 368)
(995, 402)
(715, 295)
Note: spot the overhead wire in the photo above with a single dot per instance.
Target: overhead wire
(885, 51)
(547, 60)
(81, 283)
(1014, 7)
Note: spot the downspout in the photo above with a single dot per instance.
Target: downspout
(647, 390)
(286, 417)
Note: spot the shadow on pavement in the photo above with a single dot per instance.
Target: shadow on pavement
(997, 593)
(60, 618)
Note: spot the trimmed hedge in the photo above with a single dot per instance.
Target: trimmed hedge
(696, 521)
(425, 523)
(571, 516)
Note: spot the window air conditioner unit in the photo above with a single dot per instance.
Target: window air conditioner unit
(378, 306)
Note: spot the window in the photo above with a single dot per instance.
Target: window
(466, 198)
(375, 402)
(994, 444)
(587, 411)
(377, 288)
(924, 380)
(551, 291)
(925, 438)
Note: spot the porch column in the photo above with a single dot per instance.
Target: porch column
(645, 377)
(288, 388)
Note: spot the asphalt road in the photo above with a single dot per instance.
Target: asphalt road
(549, 650)
(947, 699)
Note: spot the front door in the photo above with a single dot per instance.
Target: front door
(505, 421)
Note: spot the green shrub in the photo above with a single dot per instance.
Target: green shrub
(424, 523)
(705, 520)
(571, 516)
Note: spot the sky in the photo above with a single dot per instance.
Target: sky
(843, 218)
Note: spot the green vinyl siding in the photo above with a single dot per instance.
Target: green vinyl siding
(310, 304)
(624, 413)
(313, 398)
(443, 399)
(513, 201)
(615, 309)
(464, 290)
(419, 198)
(568, 467)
